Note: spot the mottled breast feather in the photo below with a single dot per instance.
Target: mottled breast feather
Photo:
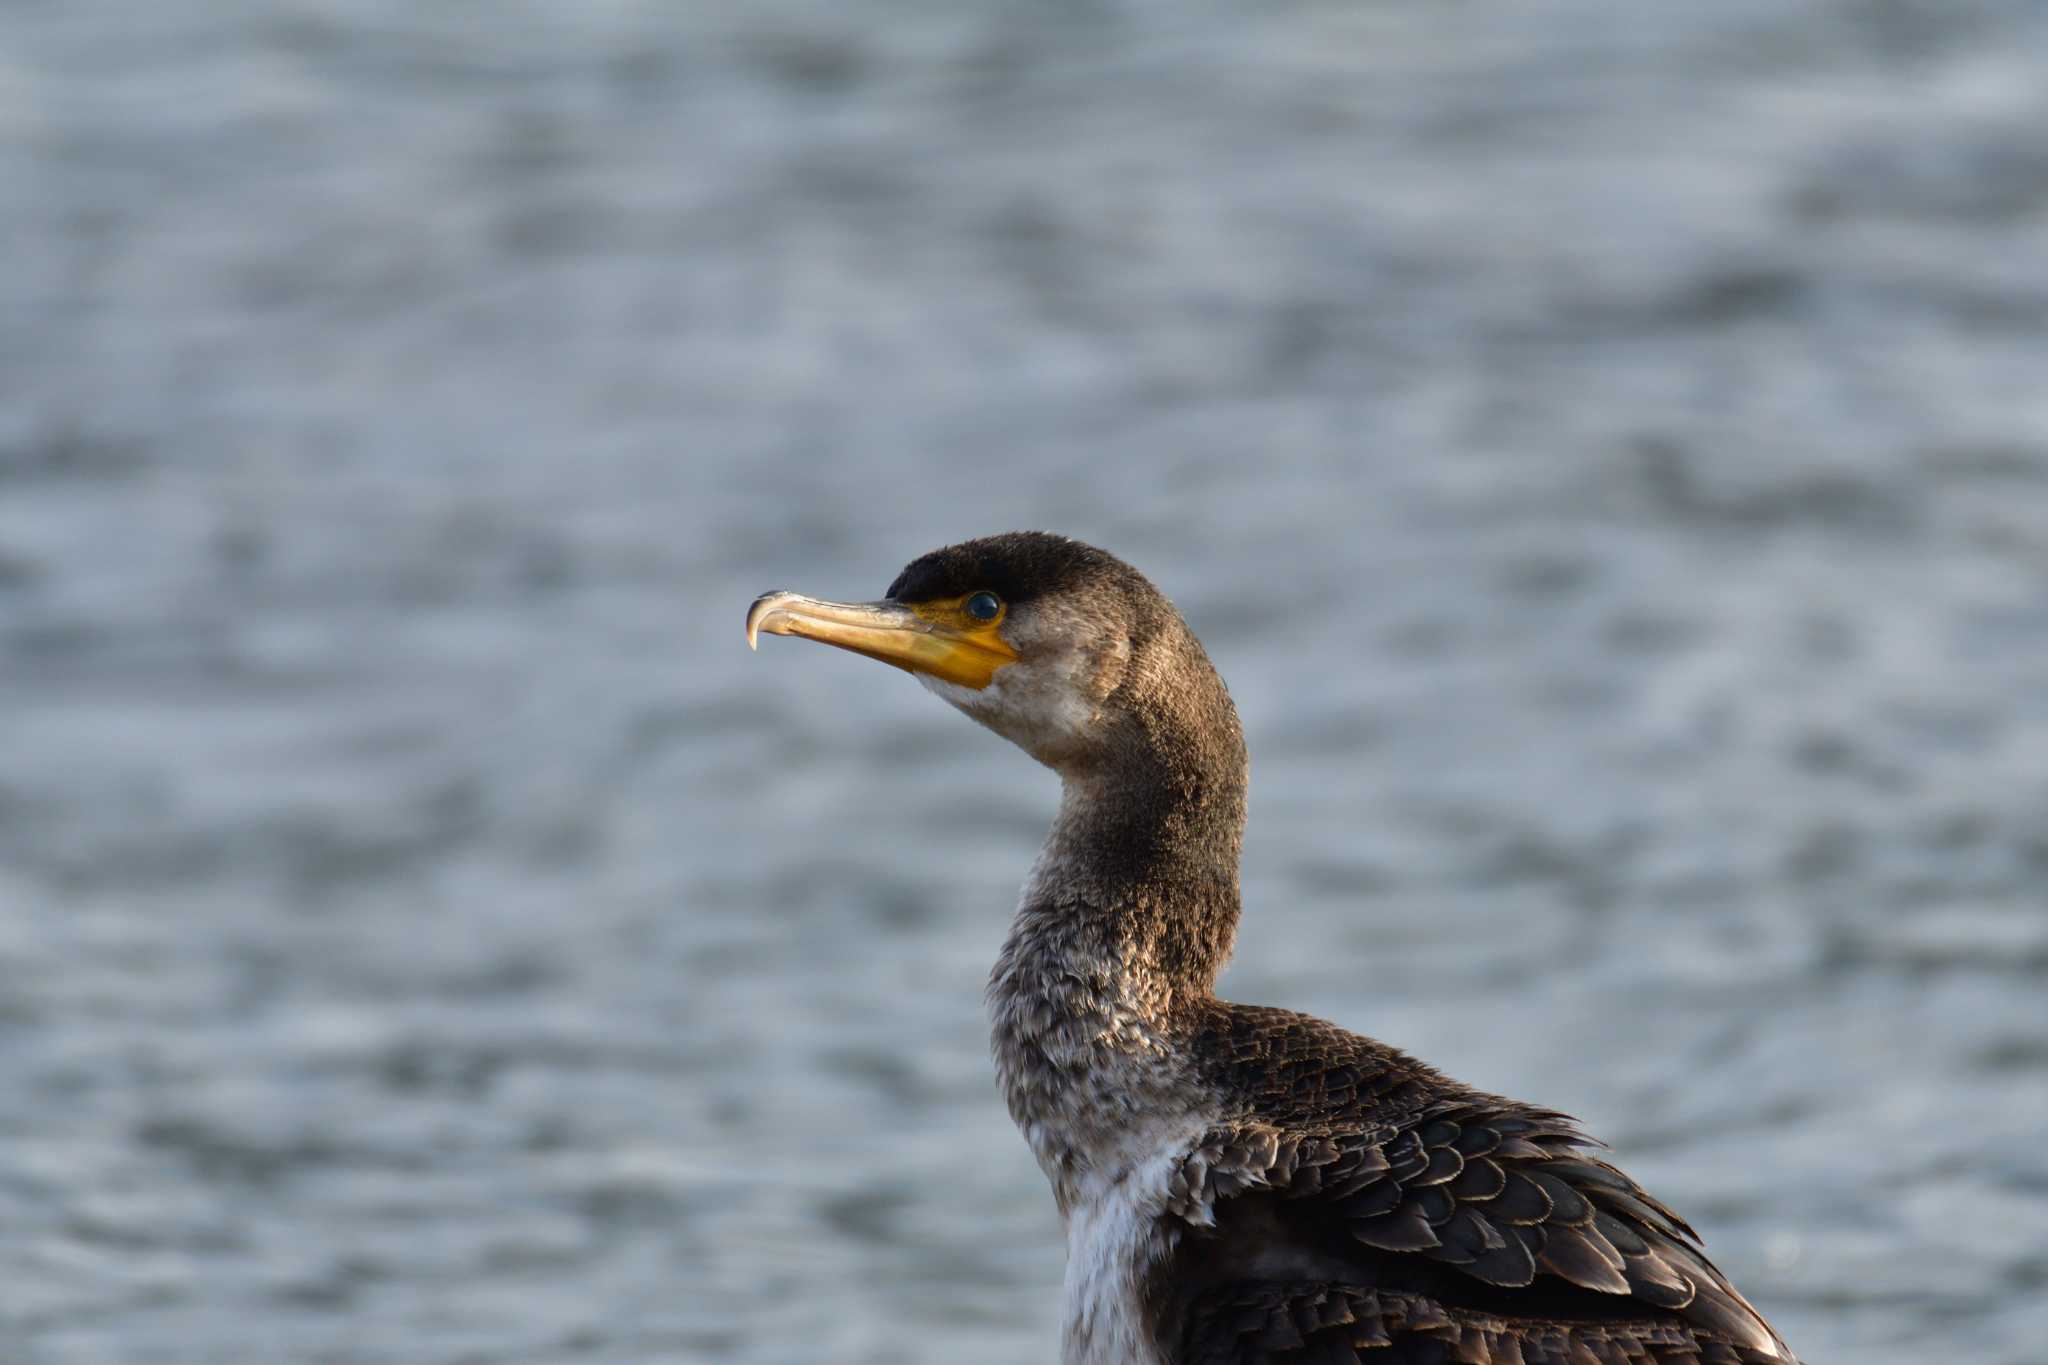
(1363, 1207)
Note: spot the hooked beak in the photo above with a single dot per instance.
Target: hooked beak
(885, 630)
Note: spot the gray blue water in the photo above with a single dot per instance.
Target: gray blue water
(1605, 448)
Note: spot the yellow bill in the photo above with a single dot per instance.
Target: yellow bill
(933, 638)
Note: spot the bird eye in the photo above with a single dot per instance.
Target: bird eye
(984, 606)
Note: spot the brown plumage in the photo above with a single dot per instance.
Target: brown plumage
(1244, 1184)
(1482, 1227)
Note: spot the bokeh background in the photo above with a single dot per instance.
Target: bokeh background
(1604, 446)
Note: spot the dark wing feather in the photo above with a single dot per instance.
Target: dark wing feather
(1331, 1324)
(1358, 1172)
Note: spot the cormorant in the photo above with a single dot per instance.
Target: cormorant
(1239, 1183)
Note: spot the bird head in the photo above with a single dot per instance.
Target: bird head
(1045, 640)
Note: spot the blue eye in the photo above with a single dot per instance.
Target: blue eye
(984, 606)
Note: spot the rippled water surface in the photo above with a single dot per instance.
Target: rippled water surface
(1605, 448)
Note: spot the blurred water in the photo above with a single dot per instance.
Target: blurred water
(1605, 448)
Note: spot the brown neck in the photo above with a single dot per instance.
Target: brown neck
(1142, 858)
(1127, 919)
(1144, 853)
